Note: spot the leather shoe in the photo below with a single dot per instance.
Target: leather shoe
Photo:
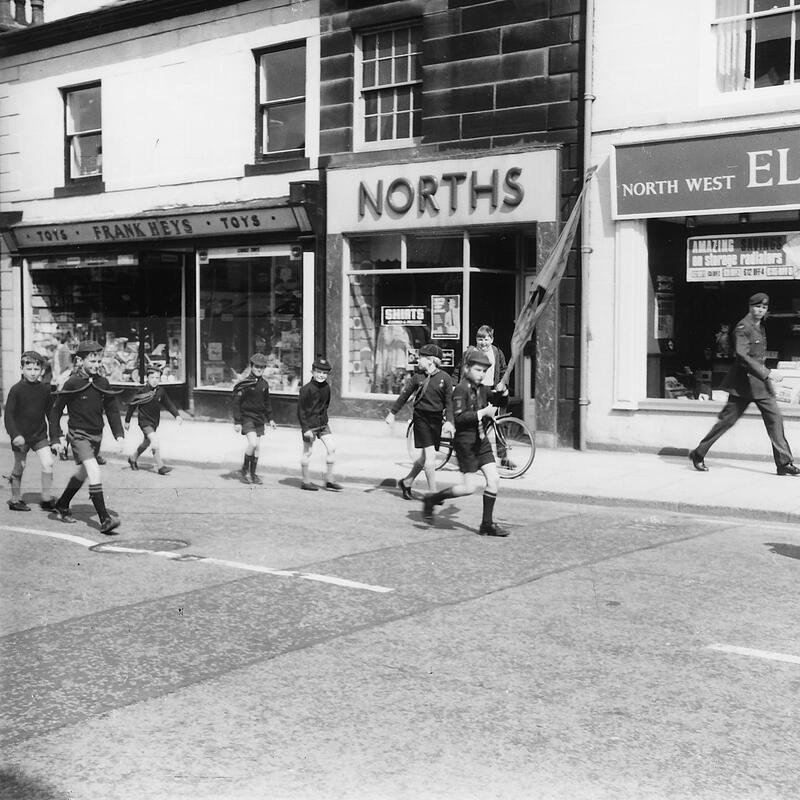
(697, 461)
(406, 490)
(789, 469)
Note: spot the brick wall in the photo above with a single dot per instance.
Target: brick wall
(496, 74)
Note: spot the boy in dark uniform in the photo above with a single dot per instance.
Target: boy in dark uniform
(431, 391)
(312, 413)
(749, 381)
(87, 396)
(26, 422)
(471, 409)
(148, 403)
(252, 409)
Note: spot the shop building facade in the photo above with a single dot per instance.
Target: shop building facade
(161, 194)
(449, 136)
(696, 206)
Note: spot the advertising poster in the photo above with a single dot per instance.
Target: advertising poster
(403, 315)
(445, 316)
(665, 308)
(743, 257)
(448, 358)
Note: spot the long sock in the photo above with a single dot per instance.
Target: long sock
(329, 462)
(488, 506)
(253, 465)
(445, 494)
(141, 448)
(47, 485)
(246, 464)
(304, 471)
(98, 500)
(73, 485)
(16, 486)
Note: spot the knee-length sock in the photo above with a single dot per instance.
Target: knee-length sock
(72, 488)
(98, 500)
(488, 505)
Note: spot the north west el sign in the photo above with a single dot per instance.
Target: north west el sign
(713, 174)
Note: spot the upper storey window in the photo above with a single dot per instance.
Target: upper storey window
(83, 141)
(757, 43)
(389, 82)
(281, 121)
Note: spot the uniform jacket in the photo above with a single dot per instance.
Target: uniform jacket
(468, 400)
(26, 410)
(747, 378)
(251, 399)
(436, 397)
(86, 398)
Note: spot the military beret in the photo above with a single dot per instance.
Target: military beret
(758, 298)
(258, 360)
(431, 350)
(86, 347)
(32, 355)
(321, 363)
(476, 356)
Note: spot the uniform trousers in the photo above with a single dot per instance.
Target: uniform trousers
(773, 422)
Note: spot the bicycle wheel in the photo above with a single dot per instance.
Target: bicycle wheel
(515, 447)
(442, 454)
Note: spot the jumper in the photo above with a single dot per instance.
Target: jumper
(312, 405)
(467, 401)
(251, 399)
(436, 397)
(26, 410)
(148, 404)
(86, 398)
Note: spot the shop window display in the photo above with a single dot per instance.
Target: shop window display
(251, 305)
(691, 323)
(134, 310)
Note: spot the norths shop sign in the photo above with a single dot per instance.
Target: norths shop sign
(499, 189)
(730, 173)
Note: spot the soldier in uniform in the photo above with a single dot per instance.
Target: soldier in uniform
(749, 381)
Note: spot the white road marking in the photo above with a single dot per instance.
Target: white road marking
(746, 651)
(179, 556)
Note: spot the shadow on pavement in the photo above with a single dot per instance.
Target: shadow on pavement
(15, 785)
(783, 549)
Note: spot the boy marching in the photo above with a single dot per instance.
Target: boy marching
(148, 403)
(87, 396)
(26, 422)
(252, 409)
(472, 410)
(312, 413)
(431, 391)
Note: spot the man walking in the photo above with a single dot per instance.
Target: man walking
(749, 381)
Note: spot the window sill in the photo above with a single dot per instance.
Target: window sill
(229, 389)
(708, 407)
(277, 165)
(80, 188)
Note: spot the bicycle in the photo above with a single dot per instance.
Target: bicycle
(510, 433)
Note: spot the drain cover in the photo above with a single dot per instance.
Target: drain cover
(139, 545)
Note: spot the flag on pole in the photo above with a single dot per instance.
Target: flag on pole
(547, 279)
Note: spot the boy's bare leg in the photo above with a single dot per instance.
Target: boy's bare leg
(46, 460)
(429, 455)
(305, 460)
(16, 476)
(330, 460)
(416, 467)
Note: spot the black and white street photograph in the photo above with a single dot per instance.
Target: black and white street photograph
(399, 399)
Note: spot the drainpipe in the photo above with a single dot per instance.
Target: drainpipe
(588, 100)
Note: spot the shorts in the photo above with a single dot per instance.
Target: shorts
(147, 429)
(84, 446)
(427, 429)
(323, 430)
(252, 425)
(473, 455)
(27, 447)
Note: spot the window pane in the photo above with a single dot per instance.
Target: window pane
(767, 5)
(283, 74)
(773, 48)
(86, 156)
(251, 306)
(368, 45)
(375, 252)
(403, 99)
(434, 251)
(386, 127)
(371, 129)
(401, 39)
(497, 251)
(83, 110)
(403, 126)
(285, 127)
(401, 70)
(416, 38)
(386, 101)
(416, 68)
(368, 74)
(385, 44)
(371, 103)
(417, 124)
(384, 72)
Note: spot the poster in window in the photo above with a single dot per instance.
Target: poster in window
(445, 316)
(448, 358)
(665, 307)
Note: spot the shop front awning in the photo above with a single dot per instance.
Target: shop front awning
(277, 215)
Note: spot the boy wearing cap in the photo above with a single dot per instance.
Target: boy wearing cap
(252, 409)
(26, 422)
(87, 396)
(312, 413)
(749, 381)
(431, 393)
(147, 403)
(471, 410)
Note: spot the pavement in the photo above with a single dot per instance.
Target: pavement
(369, 451)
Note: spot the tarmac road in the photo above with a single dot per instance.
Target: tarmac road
(300, 645)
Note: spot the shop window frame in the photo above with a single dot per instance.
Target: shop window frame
(361, 92)
(728, 84)
(77, 184)
(268, 160)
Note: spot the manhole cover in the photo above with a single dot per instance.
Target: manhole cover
(139, 545)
